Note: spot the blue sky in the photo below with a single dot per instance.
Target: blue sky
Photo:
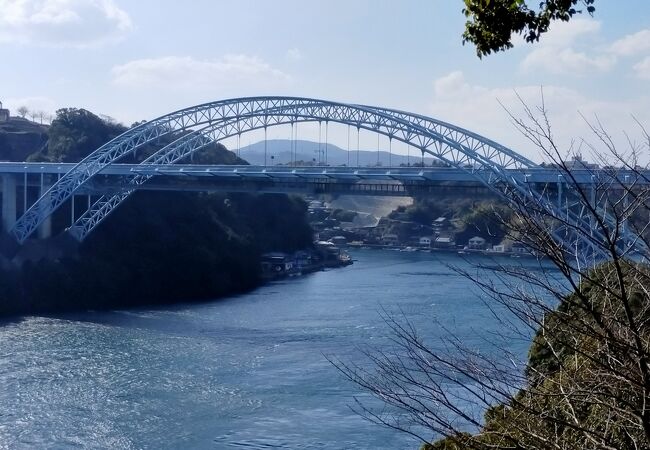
(137, 60)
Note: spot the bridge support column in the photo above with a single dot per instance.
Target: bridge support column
(559, 192)
(8, 201)
(45, 229)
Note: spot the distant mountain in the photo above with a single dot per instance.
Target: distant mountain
(279, 152)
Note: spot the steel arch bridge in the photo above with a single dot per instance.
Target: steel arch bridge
(199, 126)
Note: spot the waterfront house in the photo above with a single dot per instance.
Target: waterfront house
(476, 243)
(316, 205)
(390, 239)
(330, 253)
(444, 242)
(425, 241)
(302, 259)
(277, 262)
(520, 249)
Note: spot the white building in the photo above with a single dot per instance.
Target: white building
(577, 162)
(4, 114)
(444, 242)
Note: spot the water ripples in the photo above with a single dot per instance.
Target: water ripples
(247, 372)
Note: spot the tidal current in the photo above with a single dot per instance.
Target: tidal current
(246, 372)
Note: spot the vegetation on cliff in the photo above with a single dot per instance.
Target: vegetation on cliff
(74, 134)
(158, 247)
(583, 388)
(19, 138)
(162, 248)
(482, 214)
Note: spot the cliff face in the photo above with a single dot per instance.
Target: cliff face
(158, 248)
(20, 138)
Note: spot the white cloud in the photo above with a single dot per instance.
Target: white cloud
(632, 44)
(188, 73)
(567, 33)
(478, 108)
(73, 23)
(453, 85)
(294, 54)
(555, 52)
(642, 69)
(566, 61)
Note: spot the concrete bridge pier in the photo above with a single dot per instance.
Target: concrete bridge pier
(45, 229)
(8, 201)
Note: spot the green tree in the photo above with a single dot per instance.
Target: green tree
(75, 133)
(488, 220)
(492, 23)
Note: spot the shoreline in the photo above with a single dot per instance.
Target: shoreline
(458, 251)
(305, 270)
(263, 280)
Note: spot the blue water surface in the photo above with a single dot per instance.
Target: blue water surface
(245, 372)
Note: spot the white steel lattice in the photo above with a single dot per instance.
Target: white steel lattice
(201, 125)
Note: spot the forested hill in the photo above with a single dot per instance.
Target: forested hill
(158, 247)
(19, 138)
(75, 133)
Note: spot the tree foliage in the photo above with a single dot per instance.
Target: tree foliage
(22, 111)
(75, 133)
(487, 220)
(172, 247)
(492, 23)
(477, 214)
(583, 388)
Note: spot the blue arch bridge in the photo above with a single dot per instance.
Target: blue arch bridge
(101, 183)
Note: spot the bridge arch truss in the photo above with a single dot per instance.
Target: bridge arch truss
(196, 127)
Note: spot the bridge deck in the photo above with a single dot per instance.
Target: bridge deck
(319, 173)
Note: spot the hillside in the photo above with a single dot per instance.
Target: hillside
(158, 247)
(19, 138)
(76, 132)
